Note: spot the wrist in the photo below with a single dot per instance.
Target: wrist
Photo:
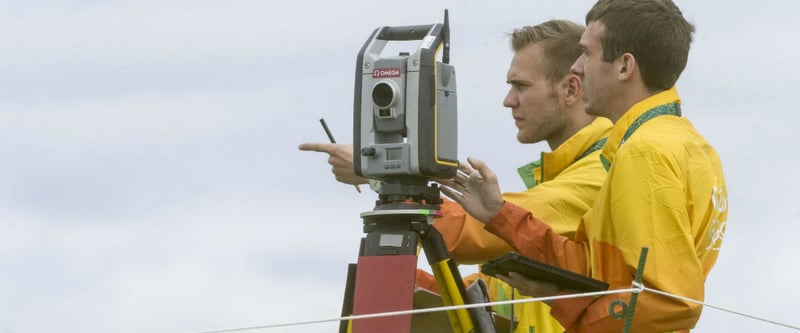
(494, 210)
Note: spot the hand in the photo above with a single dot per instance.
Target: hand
(475, 189)
(340, 157)
(530, 287)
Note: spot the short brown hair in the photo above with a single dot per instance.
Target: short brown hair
(559, 40)
(654, 31)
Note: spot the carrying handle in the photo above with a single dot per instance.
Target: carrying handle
(411, 32)
(419, 32)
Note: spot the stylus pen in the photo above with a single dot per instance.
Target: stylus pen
(330, 137)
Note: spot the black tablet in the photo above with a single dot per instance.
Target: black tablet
(537, 270)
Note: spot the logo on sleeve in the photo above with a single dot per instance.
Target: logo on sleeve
(716, 231)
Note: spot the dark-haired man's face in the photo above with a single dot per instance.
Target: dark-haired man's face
(596, 75)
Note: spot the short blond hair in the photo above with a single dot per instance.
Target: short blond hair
(559, 40)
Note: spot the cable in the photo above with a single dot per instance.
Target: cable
(720, 308)
(637, 288)
(426, 310)
(511, 322)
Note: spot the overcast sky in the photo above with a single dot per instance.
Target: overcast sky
(150, 179)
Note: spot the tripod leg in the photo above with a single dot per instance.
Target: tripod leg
(448, 278)
(347, 304)
(451, 295)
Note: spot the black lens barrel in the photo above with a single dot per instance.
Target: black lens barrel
(383, 95)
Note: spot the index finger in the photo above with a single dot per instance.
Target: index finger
(482, 168)
(314, 146)
(464, 168)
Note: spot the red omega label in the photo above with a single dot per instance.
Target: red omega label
(385, 72)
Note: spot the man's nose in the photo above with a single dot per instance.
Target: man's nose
(577, 67)
(510, 101)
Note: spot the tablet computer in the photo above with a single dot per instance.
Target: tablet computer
(537, 270)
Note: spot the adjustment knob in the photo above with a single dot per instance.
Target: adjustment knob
(368, 152)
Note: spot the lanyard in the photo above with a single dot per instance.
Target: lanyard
(671, 109)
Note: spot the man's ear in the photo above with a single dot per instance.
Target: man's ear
(626, 66)
(573, 89)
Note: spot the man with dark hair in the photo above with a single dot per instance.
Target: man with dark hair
(546, 103)
(664, 190)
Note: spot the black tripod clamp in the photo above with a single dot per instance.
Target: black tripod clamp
(408, 191)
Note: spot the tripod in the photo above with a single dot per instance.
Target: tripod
(383, 280)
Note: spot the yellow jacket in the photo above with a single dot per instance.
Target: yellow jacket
(665, 190)
(564, 185)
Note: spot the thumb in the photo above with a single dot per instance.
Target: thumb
(313, 146)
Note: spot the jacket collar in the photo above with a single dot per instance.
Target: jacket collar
(624, 123)
(553, 163)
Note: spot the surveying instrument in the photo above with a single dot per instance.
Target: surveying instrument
(405, 132)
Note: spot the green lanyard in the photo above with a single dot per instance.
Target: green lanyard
(671, 109)
(597, 145)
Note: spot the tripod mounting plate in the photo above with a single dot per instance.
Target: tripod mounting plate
(400, 212)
